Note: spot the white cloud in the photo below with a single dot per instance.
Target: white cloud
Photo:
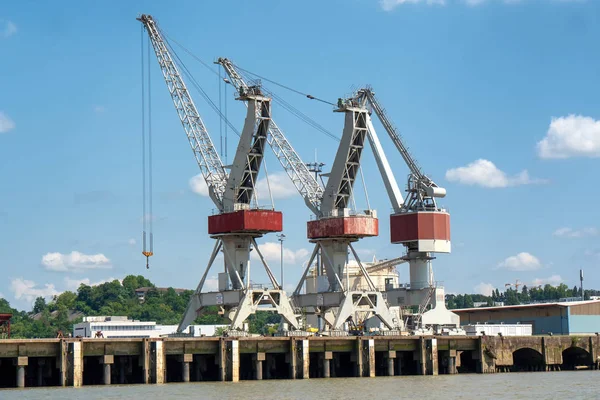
(389, 5)
(553, 280)
(7, 28)
(576, 233)
(198, 185)
(73, 284)
(571, 136)
(521, 262)
(484, 173)
(99, 109)
(6, 124)
(211, 284)
(131, 242)
(281, 187)
(271, 251)
(75, 261)
(29, 290)
(485, 289)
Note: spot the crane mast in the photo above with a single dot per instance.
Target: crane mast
(334, 229)
(304, 181)
(422, 191)
(237, 226)
(417, 223)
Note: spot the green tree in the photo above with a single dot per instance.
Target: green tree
(39, 305)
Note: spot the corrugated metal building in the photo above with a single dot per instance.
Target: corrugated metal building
(561, 318)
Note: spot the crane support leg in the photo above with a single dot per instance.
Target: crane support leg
(194, 304)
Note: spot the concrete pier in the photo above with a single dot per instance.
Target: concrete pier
(77, 362)
(22, 363)
(107, 362)
(391, 358)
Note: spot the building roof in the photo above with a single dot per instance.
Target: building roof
(533, 305)
(5, 317)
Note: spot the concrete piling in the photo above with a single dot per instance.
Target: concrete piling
(327, 364)
(22, 363)
(391, 357)
(107, 361)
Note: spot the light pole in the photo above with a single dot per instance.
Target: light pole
(281, 238)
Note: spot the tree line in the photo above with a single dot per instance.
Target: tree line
(525, 295)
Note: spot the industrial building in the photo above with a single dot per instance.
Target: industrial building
(559, 318)
(123, 327)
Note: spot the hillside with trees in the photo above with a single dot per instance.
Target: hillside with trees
(166, 307)
(511, 297)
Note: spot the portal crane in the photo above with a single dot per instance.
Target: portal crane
(335, 227)
(417, 222)
(238, 223)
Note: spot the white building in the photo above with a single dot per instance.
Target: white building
(496, 329)
(122, 327)
(381, 277)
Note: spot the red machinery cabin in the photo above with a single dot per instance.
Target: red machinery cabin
(260, 221)
(354, 226)
(430, 229)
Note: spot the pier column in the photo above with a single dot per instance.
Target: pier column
(433, 355)
(305, 359)
(76, 353)
(421, 357)
(159, 362)
(22, 362)
(371, 357)
(391, 362)
(186, 359)
(359, 358)
(294, 355)
(235, 361)
(62, 363)
(259, 358)
(452, 362)
(145, 361)
(327, 356)
(107, 361)
(222, 360)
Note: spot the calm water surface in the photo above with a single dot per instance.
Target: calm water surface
(530, 386)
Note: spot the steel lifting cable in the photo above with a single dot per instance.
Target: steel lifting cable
(146, 194)
(288, 107)
(308, 96)
(294, 111)
(150, 164)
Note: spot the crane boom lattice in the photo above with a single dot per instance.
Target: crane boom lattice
(205, 152)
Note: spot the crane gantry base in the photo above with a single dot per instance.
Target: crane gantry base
(236, 296)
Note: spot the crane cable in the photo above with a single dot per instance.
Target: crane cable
(147, 251)
(196, 85)
(249, 77)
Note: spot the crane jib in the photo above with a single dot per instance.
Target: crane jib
(204, 150)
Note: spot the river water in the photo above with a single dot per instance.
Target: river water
(530, 386)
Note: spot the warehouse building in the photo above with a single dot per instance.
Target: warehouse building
(560, 318)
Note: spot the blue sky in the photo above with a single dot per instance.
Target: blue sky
(496, 99)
